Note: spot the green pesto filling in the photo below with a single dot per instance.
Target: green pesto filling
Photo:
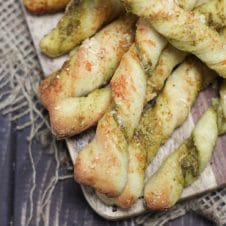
(189, 162)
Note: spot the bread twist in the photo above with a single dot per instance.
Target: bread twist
(149, 44)
(73, 115)
(103, 163)
(168, 60)
(184, 30)
(184, 165)
(91, 66)
(81, 20)
(45, 6)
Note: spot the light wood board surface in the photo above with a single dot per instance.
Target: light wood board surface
(214, 175)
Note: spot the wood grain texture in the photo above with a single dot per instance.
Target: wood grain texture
(211, 178)
(6, 170)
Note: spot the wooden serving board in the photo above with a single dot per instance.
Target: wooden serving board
(214, 175)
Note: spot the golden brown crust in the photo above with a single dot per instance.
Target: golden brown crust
(184, 165)
(91, 66)
(169, 58)
(184, 30)
(149, 44)
(100, 164)
(45, 6)
(81, 20)
(73, 115)
(103, 163)
(160, 121)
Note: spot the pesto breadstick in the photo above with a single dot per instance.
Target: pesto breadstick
(45, 6)
(184, 30)
(184, 165)
(103, 164)
(149, 44)
(73, 115)
(169, 58)
(80, 21)
(91, 66)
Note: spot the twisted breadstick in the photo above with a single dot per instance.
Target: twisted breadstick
(169, 58)
(184, 30)
(103, 163)
(45, 6)
(214, 12)
(185, 164)
(80, 21)
(149, 44)
(181, 90)
(73, 115)
(90, 67)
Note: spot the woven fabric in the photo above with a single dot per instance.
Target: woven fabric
(20, 74)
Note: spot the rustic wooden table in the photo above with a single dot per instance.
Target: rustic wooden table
(67, 207)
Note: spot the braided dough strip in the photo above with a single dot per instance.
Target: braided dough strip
(103, 163)
(168, 60)
(80, 21)
(184, 30)
(157, 124)
(184, 165)
(149, 44)
(91, 66)
(72, 115)
(45, 6)
(180, 90)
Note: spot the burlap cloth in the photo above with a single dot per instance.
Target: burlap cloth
(19, 78)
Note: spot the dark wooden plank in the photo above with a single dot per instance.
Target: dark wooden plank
(6, 170)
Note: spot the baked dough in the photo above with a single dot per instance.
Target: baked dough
(184, 30)
(91, 67)
(80, 21)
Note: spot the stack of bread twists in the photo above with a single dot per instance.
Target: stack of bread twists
(124, 55)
